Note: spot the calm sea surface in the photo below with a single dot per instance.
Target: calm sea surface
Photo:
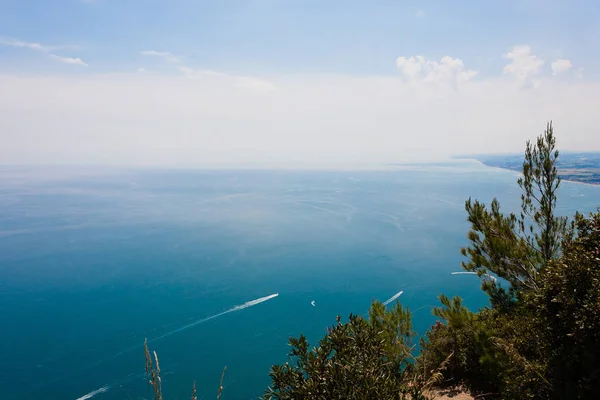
(93, 261)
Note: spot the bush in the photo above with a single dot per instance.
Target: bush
(359, 359)
(541, 337)
(568, 310)
(464, 336)
(547, 346)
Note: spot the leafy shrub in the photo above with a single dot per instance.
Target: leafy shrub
(541, 337)
(359, 359)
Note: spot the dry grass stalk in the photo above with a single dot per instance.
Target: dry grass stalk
(221, 384)
(428, 380)
(194, 397)
(153, 372)
(437, 376)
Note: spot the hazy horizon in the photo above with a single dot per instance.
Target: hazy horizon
(130, 83)
(344, 165)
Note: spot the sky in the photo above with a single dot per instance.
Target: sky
(236, 82)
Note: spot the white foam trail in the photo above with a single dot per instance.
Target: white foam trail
(394, 297)
(233, 309)
(474, 273)
(254, 302)
(98, 362)
(95, 392)
(312, 303)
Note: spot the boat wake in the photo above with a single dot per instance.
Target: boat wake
(493, 278)
(254, 302)
(233, 309)
(93, 393)
(104, 388)
(394, 297)
(240, 307)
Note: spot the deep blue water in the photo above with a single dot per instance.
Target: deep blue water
(94, 261)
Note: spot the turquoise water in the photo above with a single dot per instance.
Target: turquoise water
(94, 261)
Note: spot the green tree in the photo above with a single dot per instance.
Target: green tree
(540, 339)
(539, 183)
(359, 359)
(464, 337)
(517, 248)
(567, 311)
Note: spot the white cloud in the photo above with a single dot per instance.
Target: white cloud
(251, 83)
(523, 65)
(448, 70)
(18, 43)
(256, 84)
(162, 54)
(69, 60)
(141, 70)
(411, 67)
(420, 13)
(211, 117)
(246, 82)
(561, 65)
(48, 50)
(186, 70)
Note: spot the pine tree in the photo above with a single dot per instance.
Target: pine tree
(517, 248)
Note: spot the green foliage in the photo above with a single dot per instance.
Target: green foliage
(517, 248)
(465, 336)
(395, 331)
(496, 245)
(539, 183)
(552, 336)
(541, 338)
(359, 359)
(567, 309)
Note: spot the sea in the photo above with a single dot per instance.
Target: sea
(219, 268)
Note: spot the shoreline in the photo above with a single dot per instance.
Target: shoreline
(562, 179)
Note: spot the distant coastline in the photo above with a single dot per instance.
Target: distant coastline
(573, 167)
